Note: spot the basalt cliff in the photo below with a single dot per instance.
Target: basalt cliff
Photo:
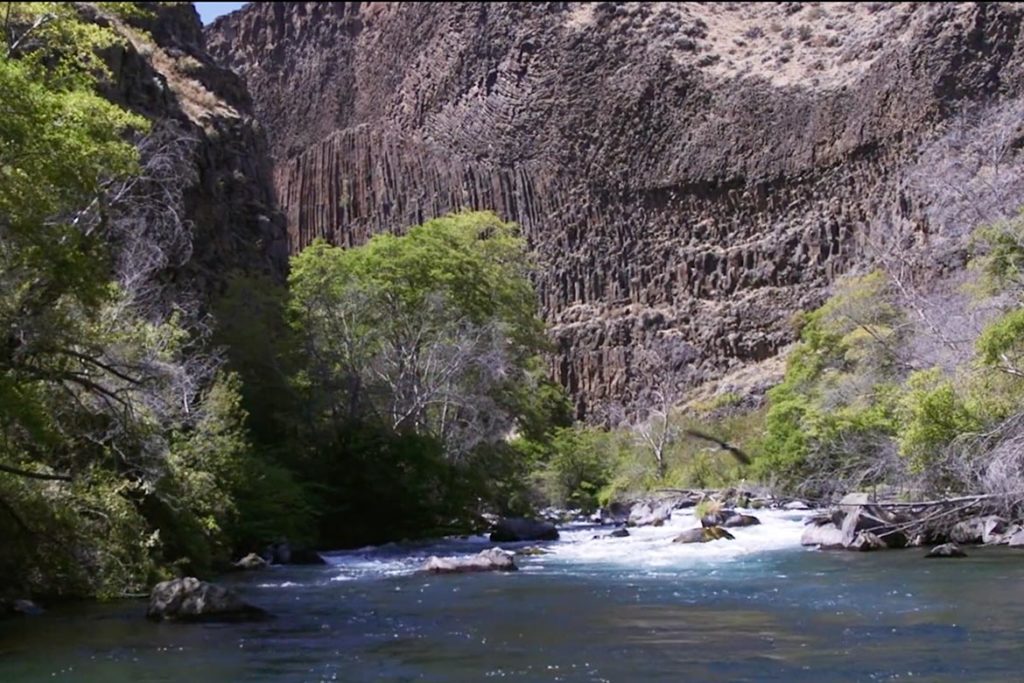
(689, 174)
(206, 170)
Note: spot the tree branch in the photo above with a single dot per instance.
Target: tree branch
(33, 475)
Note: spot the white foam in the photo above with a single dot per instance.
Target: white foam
(651, 548)
(646, 550)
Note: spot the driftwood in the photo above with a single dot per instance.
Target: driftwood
(924, 517)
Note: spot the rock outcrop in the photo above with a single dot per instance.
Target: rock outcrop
(205, 160)
(689, 174)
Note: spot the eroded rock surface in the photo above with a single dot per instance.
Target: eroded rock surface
(690, 174)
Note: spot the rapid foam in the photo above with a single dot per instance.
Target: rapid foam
(645, 550)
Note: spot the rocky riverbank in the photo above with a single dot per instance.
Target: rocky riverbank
(860, 522)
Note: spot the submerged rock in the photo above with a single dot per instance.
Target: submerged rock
(190, 599)
(306, 556)
(26, 607)
(512, 529)
(250, 562)
(492, 559)
(618, 533)
(531, 551)
(703, 535)
(796, 505)
(19, 607)
(946, 550)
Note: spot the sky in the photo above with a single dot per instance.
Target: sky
(208, 11)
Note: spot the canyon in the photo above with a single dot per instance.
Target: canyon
(688, 175)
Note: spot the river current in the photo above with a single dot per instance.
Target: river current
(758, 608)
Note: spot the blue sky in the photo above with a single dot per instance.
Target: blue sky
(208, 11)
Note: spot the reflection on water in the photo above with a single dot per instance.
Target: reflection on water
(637, 609)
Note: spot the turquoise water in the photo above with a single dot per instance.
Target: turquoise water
(638, 609)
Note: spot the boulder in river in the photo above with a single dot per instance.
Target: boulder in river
(738, 520)
(657, 511)
(865, 540)
(492, 559)
(716, 518)
(189, 599)
(703, 535)
(946, 550)
(1016, 540)
(282, 552)
(796, 505)
(985, 529)
(512, 529)
(822, 533)
(250, 562)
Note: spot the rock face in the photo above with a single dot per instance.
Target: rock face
(492, 559)
(206, 157)
(689, 174)
(512, 529)
(190, 599)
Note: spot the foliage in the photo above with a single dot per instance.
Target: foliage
(707, 507)
(417, 361)
(123, 450)
(428, 333)
(575, 466)
(835, 405)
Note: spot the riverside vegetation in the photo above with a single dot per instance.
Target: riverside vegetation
(387, 391)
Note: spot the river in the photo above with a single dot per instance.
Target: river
(759, 608)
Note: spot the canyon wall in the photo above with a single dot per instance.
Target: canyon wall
(205, 158)
(689, 175)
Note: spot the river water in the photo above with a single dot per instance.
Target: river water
(759, 608)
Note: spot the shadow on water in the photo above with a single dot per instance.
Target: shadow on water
(785, 614)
